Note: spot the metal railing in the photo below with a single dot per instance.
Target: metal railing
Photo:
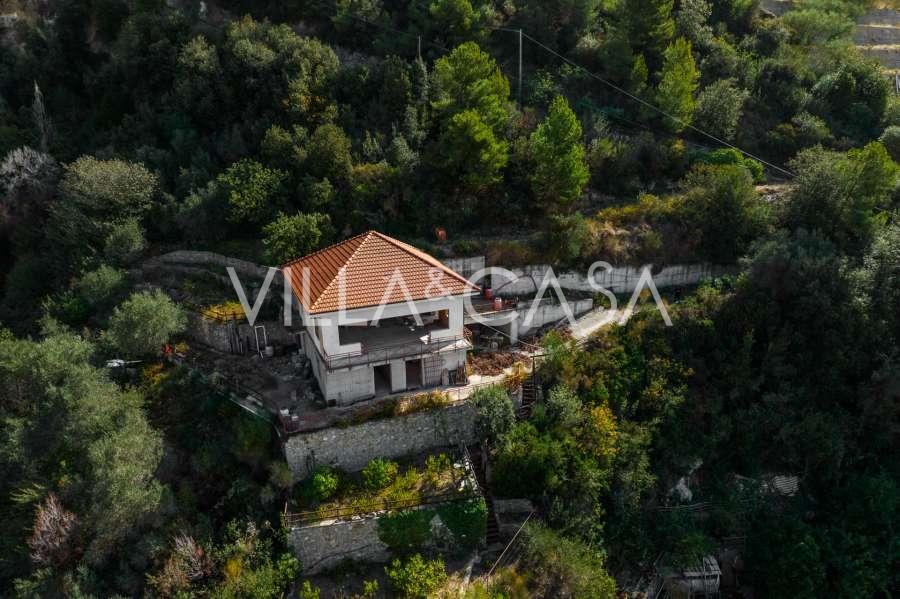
(376, 505)
(367, 355)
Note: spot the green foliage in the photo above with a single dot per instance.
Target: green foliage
(467, 521)
(252, 190)
(890, 139)
(124, 243)
(468, 79)
(290, 237)
(561, 172)
(98, 194)
(405, 531)
(471, 149)
(719, 108)
(724, 156)
(379, 473)
(840, 195)
(560, 562)
(649, 26)
(723, 207)
(143, 323)
(494, 411)
(415, 577)
(322, 485)
(677, 84)
(329, 154)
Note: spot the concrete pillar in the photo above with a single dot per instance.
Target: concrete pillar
(398, 376)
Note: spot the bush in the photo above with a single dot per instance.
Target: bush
(890, 139)
(124, 243)
(494, 414)
(143, 323)
(321, 486)
(415, 577)
(379, 473)
(100, 286)
(731, 156)
(467, 521)
(405, 531)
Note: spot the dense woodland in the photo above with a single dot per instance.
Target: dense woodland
(268, 129)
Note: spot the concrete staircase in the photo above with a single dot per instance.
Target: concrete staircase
(477, 454)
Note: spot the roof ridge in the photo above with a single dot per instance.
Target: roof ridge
(423, 256)
(367, 235)
(326, 248)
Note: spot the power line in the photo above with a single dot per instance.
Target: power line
(658, 109)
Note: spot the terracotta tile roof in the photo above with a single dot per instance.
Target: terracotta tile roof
(372, 263)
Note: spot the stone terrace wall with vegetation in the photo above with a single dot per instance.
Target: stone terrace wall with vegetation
(323, 545)
(352, 447)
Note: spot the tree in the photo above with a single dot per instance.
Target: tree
(678, 82)
(95, 195)
(494, 411)
(562, 171)
(290, 237)
(143, 323)
(125, 242)
(253, 191)
(839, 195)
(329, 154)
(650, 27)
(724, 211)
(100, 286)
(719, 108)
(468, 79)
(561, 24)
(59, 404)
(472, 151)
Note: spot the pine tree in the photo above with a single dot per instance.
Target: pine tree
(650, 27)
(561, 172)
(678, 82)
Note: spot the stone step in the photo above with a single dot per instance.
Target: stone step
(872, 35)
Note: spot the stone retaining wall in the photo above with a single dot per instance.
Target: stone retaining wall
(352, 447)
(326, 544)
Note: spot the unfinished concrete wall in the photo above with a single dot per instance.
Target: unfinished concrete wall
(465, 266)
(618, 280)
(223, 336)
(352, 447)
(324, 545)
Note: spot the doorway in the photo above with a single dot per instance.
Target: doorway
(413, 374)
(382, 379)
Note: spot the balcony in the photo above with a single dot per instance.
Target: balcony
(392, 342)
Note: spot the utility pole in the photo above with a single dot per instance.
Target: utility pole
(419, 46)
(520, 69)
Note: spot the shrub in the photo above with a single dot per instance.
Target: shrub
(100, 286)
(379, 473)
(890, 139)
(143, 323)
(405, 531)
(125, 242)
(466, 520)
(494, 411)
(322, 485)
(415, 577)
(731, 156)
